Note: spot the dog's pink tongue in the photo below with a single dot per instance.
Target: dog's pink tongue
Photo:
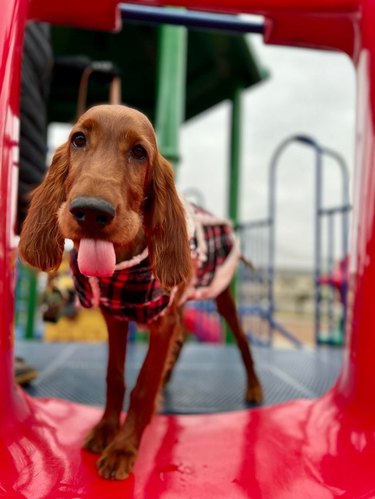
(96, 257)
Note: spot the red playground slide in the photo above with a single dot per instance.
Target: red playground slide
(320, 448)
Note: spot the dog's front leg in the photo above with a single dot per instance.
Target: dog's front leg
(104, 432)
(118, 458)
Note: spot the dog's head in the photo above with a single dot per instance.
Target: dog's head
(109, 187)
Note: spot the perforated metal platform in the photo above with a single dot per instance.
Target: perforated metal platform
(208, 378)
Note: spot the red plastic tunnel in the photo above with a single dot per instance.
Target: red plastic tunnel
(318, 448)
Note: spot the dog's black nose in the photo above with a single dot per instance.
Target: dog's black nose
(92, 213)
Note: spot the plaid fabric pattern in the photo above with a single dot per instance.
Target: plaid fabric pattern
(131, 294)
(219, 241)
(134, 294)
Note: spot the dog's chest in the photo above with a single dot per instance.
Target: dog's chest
(134, 294)
(130, 294)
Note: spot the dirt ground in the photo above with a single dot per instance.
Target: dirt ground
(301, 327)
(89, 326)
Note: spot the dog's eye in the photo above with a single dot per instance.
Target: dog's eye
(139, 152)
(79, 140)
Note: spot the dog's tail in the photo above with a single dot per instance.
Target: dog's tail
(249, 264)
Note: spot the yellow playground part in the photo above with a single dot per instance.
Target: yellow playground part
(87, 325)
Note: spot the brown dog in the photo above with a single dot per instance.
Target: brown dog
(111, 192)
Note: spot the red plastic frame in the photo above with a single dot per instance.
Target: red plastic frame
(321, 448)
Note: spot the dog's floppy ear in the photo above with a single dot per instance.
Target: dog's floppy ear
(166, 230)
(41, 242)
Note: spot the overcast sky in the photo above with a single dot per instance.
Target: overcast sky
(310, 92)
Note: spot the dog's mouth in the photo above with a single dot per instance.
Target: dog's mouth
(96, 258)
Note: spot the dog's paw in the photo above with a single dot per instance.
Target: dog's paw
(100, 436)
(254, 394)
(116, 463)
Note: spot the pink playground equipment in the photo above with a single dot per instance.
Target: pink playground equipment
(338, 278)
(204, 326)
(307, 448)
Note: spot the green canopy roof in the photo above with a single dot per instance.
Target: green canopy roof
(217, 63)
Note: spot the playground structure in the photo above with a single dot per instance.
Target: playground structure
(307, 448)
(256, 286)
(258, 239)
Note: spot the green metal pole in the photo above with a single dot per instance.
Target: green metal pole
(234, 178)
(235, 157)
(32, 303)
(170, 99)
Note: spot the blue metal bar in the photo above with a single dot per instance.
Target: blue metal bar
(260, 312)
(285, 332)
(190, 19)
(345, 223)
(320, 211)
(318, 241)
(345, 195)
(320, 152)
(331, 264)
(335, 209)
(304, 140)
(345, 210)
